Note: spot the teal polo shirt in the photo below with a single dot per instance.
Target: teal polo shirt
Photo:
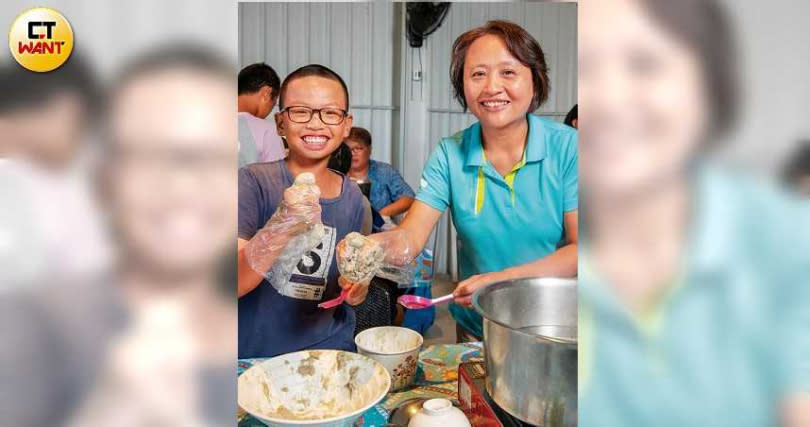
(503, 221)
(729, 336)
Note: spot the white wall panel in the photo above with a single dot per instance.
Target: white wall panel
(298, 45)
(340, 38)
(274, 36)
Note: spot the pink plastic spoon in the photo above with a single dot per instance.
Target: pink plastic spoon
(414, 302)
(336, 301)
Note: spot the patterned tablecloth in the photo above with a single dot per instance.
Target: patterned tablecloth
(436, 376)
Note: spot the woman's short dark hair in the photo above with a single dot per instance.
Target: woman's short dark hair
(311, 70)
(704, 27)
(256, 76)
(361, 135)
(520, 44)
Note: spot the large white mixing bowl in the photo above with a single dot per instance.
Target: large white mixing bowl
(313, 387)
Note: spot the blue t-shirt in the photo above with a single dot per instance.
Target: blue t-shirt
(270, 323)
(503, 221)
(387, 185)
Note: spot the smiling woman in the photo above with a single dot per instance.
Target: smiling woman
(510, 180)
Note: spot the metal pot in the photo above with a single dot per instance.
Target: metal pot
(530, 342)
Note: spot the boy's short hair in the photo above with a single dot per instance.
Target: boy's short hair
(256, 76)
(311, 70)
(361, 135)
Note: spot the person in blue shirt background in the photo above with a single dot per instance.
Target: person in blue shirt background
(510, 179)
(390, 194)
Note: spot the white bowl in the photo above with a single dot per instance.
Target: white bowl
(396, 348)
(313, 387)
(439, 413)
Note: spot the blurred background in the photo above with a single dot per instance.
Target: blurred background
(773, 58)
(694, 261)
(117, 303)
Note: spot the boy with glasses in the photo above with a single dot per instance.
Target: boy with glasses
(313, 120)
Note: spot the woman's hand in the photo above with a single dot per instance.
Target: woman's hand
(560, 263)
(355, 292)
(466, 288)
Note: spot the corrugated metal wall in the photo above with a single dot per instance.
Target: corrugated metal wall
(365, 44)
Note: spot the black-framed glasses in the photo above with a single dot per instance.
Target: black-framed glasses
(329, 116)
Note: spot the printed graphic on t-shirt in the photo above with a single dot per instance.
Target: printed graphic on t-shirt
(308, 280)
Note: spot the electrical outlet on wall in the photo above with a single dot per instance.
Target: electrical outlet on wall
(417, 75)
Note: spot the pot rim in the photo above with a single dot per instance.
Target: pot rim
(497, 285)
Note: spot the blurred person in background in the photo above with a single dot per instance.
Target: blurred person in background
(168, 178)
(55, 255)
(258, 92)
(46, 128)
(796, 172)
(572, 118)
(694, 282)
(390, 195)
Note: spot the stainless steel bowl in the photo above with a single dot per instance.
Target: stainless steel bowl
(530, 341)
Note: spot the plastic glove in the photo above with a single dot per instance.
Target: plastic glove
(386, 254)
(294, 229)
(355, 292)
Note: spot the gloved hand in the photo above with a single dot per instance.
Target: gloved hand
(355, 292)
(388, 254)
(298, 213)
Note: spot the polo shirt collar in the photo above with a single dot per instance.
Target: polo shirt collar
(475, 149)
(535, 148)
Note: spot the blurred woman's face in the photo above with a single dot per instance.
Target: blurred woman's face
(498, 88)
(644, 100)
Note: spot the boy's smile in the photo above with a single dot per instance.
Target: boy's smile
(315, 142)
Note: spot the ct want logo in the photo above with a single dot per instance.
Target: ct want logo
(41, 39)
